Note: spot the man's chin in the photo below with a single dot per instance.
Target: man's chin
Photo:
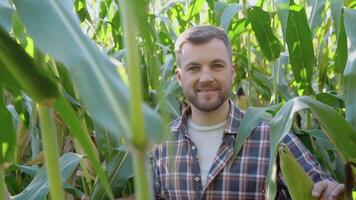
(207, 106)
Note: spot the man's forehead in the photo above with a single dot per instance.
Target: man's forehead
(217, 43)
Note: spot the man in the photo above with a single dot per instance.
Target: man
(194, 163)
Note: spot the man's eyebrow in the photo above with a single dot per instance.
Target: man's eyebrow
(192, 64)
(218, 61)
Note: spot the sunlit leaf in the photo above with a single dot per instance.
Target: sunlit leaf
(300, 46)
(33, 79)
(301, 187)
(90, 69)
(332, 122)
(341, 48)
(194, 8)
(261, 25)
(350, 69)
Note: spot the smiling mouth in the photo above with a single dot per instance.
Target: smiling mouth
(210, 90)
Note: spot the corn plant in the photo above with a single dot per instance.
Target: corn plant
(97, 78)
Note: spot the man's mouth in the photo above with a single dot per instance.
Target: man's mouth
(207, 90)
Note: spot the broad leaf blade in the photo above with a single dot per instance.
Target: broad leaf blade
(95, 76)
(194, 8)
(249, 122)
(119, 169)
(35, 81)
(332, 122)
(6, 12)
(283, 12)
(38, 188)
(315, 8)
(341, 48)
(300, 46)
(7, 133)
(350, 69)
(228, 14)
(261, 25)
(336, 7)
(298, 181)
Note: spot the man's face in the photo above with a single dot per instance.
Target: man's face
(206, 74)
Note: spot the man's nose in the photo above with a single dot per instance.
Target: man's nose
(206, 75)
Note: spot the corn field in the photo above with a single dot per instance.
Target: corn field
(88, 86)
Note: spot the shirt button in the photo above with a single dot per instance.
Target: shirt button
(193, 148)
(197, 178)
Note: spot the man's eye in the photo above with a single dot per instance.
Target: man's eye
(217, 66)
(193, 68)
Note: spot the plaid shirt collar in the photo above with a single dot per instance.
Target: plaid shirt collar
(232, 125)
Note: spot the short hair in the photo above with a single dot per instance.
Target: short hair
(200, 35)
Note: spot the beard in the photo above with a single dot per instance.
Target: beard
(208, 105)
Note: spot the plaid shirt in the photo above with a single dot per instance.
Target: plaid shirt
(177, 171)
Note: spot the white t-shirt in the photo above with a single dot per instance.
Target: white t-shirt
(207, 139)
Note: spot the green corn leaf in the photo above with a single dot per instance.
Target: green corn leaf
(317, 7)
(336, 7)
(219, 7)
(92, 72)
(341, 48)
(332, 122)
(6, 12)
(300, 46)
(7, 133)
(119, 169)
(72, 190)
(350, 69)
(38, 188)
(331, 100)
(7, 79)
(283, 12)
(33, 80)
(261, 25)
(228, 14)
(73, 123)
(299, 184)
(249, 122)
(169, 5)
(194, 8)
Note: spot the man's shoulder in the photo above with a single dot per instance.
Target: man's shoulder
(175, 122)
(172, 136)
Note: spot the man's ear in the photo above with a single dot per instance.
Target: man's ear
(179, 75)
(233, 71)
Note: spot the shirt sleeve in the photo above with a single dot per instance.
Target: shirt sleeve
(156, 180)
(305, 158)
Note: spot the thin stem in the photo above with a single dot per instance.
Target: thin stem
(50, 147)
(142, 188)
(138, 137)
(275, 82)
(2, 184)
(249, 68)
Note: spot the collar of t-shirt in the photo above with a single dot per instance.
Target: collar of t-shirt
(207, 140)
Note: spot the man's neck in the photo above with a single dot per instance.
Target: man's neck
(202, 118)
